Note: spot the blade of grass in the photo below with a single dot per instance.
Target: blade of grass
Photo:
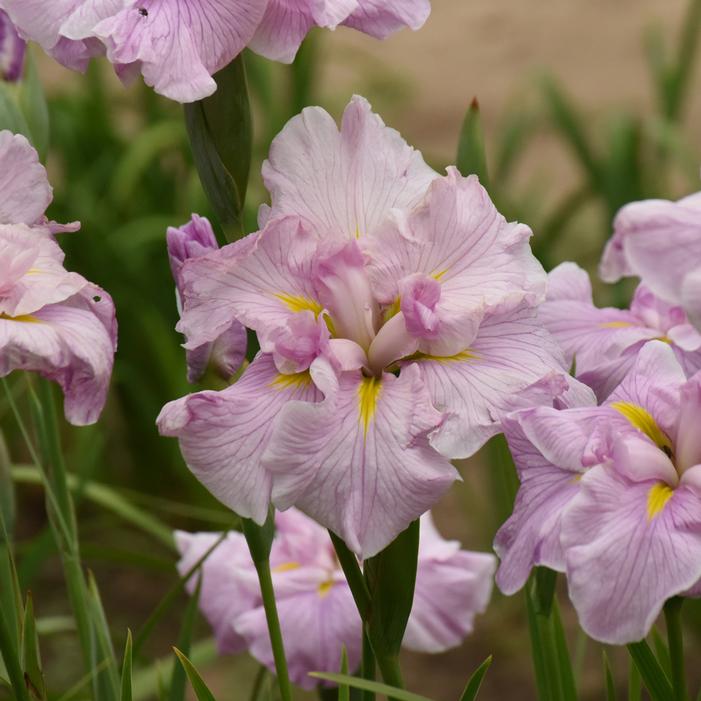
(31, 658)
(365, 684)
(608, 678)
(475, 682)
(176, 690)
(196, 681)
(126, 681)
(653, 676)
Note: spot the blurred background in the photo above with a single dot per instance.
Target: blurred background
(585, 105)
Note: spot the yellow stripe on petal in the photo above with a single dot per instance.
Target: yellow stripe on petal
(615, 325)
(439, 275)
(23, 318)
(657, 498)
(643, 420)
(325, 588)
(286, 567)
(368, 392)
(461, 357)
(296, 381)
(297, 303)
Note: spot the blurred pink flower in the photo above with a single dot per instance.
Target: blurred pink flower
(177, 45)
(52, 322)
(611, 495)
(226, 353)
(317, 614)
(12, 50)
(396, 315)
(603, 343)
(660, 241)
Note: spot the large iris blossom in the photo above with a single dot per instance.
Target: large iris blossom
(611, 495)
(660, 242)
(179, 44)
(395, 311)
(52, 321)
(318, 616)
(603, 343)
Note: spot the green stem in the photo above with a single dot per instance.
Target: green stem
(672, 614)
(367, 667)
(266, 589)
(390, 670)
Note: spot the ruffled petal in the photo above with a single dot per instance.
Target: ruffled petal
(629, 547)
(344, 183)
(360, 462)
(380, 18)
(223, 434)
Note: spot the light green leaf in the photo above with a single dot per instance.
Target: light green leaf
(608, 677)
(126, 681)
(31, 658)
(472, 156)
(198, 685)
(32, 101)
(367, 685)
(176, 691)
(653, 675)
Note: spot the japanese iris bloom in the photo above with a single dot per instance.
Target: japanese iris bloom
(603, 343)
(318, 617)
(52, 322)
(227, 352)
(12, 50)
(660, 242)
(611, 495)
(395, 311)
(178, 45)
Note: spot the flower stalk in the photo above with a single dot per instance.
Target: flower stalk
(672, 615)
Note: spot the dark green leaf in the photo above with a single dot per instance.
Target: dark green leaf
(472, 156)
(107, 682)
(544, 590)
(354, 575)
(568, 690)
(10, 656)
(475, 682)
(31, 658)
(366, 684)
(198, 685)
(391, 576)
(654, 678)
(220, 134)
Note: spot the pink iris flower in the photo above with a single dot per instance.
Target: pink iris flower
(52, 322)
(12, 50)
(318, 617)
(660, 242)
(395, 311)
(224, 355)
(177, 45)
(611, 495)
(603, 343)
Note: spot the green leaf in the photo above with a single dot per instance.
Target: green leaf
(354, 575)
(176, 691)
(11, 116)
(126, 681)
(7, 492)
(608, 677)
(31, 659)
(367, 685)
(198, 685)
(544, 590)
(635, 690)
(32, 101)
(653, 675)
(344, 689)
(472, 157)
(475, 682)
(391, 577)
(221, 137)
(568, 689)
(10, 656)
(107, 682)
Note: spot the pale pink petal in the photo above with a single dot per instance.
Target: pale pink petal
(316, 624)
(261, 281)
(569, 281)
(459, 239)
(360, 462)
(70, 344)
(343, 183)
(627, 553)
(223, 434)
(479, 385)
(690, 297)
(452, 587)
(223, 596)
(688, 435)
(380, 18)
(25, 192)
(180, 44)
